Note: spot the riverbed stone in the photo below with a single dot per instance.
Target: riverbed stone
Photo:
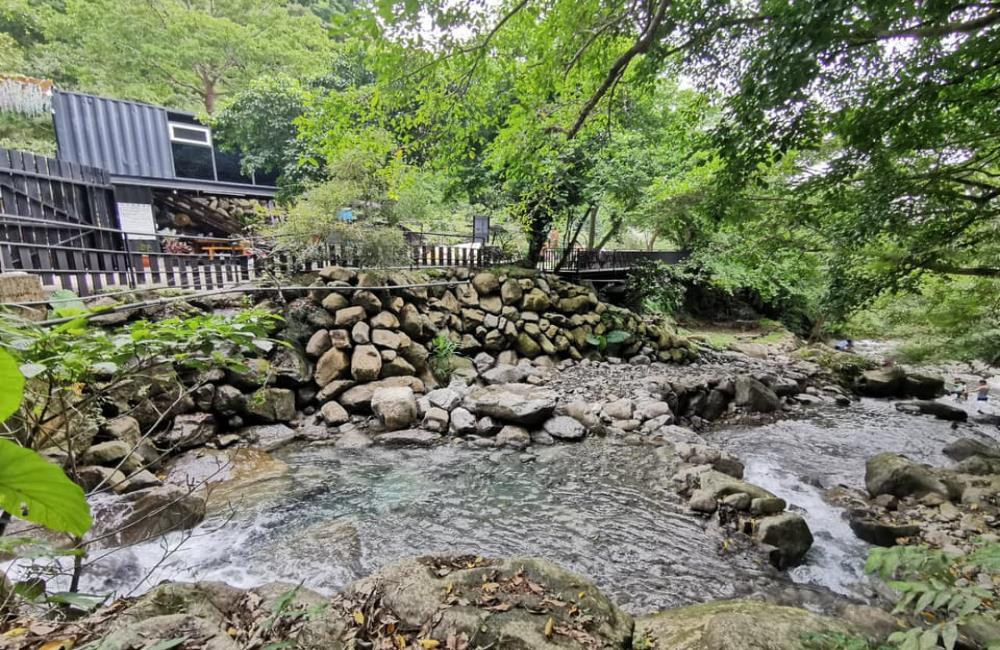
(158, 511)
(361, 333)
(353, 439)
(894, 474)
(444, 398)
(366, 363)
(564, 427)
(126, 428)
(754, 395)
(334, 414)
(435, 419)
(620, 409)
(738, 501)
(357, 399)
(407, 438)
(463, 422)
(767, 506)
(498, 603)
(271, 405)
(189, 430)
(789, 534)
(114, 453)
(395, 407)
(923, 386)
(884, 382)
(504, 374)
(940, 410)
(879, 532)
(963, 448)
(513, 436)
(515, 403)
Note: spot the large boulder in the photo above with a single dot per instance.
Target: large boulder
(878, 532)
(732, 625)
(790, 536)
(357, 399)
(940, 410)
(517, 403)
(899, 476)
(965, 447)
(395, 407)
(923, 386)
(517, 603)
(158, 511)
(754, 395)
(885, 382)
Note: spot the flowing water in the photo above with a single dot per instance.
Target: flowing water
(599, 507)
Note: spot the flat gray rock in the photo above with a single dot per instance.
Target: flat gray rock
(407, 438)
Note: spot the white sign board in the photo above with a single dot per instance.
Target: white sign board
(136, 219)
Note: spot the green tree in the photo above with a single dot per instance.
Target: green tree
(183, 53)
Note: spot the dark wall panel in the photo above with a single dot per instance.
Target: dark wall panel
(124, 138)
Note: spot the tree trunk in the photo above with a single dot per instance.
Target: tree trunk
(592, 235)
(209, 95)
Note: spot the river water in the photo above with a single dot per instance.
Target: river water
(601, 508)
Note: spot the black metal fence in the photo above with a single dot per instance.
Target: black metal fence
(582, 260)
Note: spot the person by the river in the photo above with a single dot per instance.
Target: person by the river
(960, 390)
(847, 345)
(982, 395)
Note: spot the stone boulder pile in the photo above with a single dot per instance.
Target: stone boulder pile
(712, 482)
(908, 502)
(444, 602)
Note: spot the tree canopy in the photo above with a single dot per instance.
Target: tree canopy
(822, 154)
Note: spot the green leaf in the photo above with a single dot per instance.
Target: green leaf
(928, 640)
(949, 635)
(66, 303)
(616, 337)
(87, 602)
(36, 490)
(925, 599)
(11, 385)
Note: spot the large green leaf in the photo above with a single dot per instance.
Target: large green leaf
(11, 385)
(34, 489)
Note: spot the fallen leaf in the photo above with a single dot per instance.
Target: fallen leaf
(15, 631)
(429, 644)
(232, 631)
(359, 618)
(550, 625)
(62, 644)
(490, 587)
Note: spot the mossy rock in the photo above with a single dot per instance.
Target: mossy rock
(732, 625)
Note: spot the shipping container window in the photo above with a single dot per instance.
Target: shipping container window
(192, 161)
(190, 134)
(227, 167)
